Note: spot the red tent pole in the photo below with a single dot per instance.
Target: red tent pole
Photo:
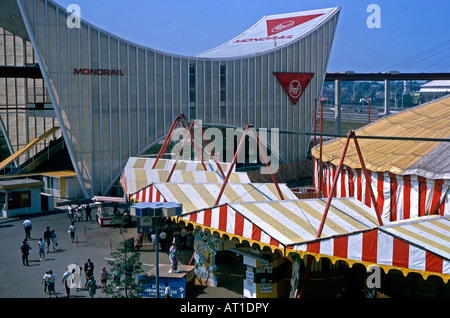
(335, 181)
(196, 151)
(308, 270)
(179, 152)
(327, 207)
(212, 154)
(230, 169)
(268, 166)
(368, 180)
(167, 140)
(315, 120)
(320, 152)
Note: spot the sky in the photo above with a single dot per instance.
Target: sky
(413, 35)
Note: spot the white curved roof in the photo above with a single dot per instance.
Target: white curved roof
(270, 33)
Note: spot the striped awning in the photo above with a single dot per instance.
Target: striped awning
(166, 164)
(283, 223)
(351, 233)
(421, 245)
(197, 196)
(138, 173)
(401, 157)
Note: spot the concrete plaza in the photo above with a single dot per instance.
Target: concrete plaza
(94, 242)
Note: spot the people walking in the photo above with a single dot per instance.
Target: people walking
(91, 286)
(88, 212)
(70, 213)
(71, 231)
(44, 281)
(47, 238)
(88, 265)
(27, 225)
(41, 246)
(103, 277)
(79, 214)
(88, 270)
(54, 240)
(51, 284)
(25, 250)
(67, 280)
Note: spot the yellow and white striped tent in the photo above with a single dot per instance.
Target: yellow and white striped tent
(197, 196)
(351, 233)
(138, 173)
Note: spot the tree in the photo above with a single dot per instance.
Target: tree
(125, 267)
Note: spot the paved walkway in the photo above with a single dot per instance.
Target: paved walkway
(94, 242)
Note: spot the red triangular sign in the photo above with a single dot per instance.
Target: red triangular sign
(294, 84)
(280, 25)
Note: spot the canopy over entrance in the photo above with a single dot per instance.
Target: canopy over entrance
(255, 213)
(351, 233)
(421, 245)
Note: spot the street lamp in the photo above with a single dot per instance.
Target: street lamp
(149, 216)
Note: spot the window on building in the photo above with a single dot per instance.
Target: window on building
(192, 92)
(223, 83)
(19, 199)
(223, 92)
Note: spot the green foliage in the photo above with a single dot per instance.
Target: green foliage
(124, 269)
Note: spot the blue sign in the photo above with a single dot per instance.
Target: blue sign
(146, 211)
(177, 287)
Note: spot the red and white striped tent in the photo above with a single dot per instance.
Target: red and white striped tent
(279, 224)
(409, 178)
(255, 213)
(421, 245)
(196, 196)
(351, 233)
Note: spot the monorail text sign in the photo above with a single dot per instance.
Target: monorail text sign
(98, 71)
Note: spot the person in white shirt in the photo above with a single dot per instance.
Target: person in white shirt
(66, 280)
(70, 213)
(51, 284)
(44, 281)
(27, 226)
(163, 240)
(41, 246)
(71, 231)
(167, 290)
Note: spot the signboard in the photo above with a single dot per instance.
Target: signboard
(178, 282)
(294, 84)
(177, 287)
(279, 25)
(98, 72)
(146, 211)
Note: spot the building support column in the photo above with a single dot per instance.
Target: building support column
(337, 107)
(387, 97)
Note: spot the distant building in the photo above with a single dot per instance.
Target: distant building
(435, 89)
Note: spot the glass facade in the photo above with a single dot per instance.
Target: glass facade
(114, 99)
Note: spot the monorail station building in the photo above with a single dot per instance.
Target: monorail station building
(90, 100)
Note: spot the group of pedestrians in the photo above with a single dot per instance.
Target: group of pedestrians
(72, 275)
(49, 239)
(72, 279)
(76, 213)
